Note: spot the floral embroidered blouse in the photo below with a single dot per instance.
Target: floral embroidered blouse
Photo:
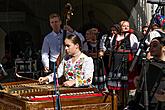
(81, 70)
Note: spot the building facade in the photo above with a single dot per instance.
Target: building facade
(27, 20)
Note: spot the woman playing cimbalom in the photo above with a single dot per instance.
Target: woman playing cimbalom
(76, 66)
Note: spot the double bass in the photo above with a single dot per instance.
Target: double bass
(68, 12)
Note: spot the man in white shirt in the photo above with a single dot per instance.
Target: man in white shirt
(53, 42)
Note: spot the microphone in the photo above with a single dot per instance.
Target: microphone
(4, 72)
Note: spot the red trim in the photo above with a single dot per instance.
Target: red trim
(76, 96)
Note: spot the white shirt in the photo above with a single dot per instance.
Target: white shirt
(102, 42)
(134, 43)
(153, 34)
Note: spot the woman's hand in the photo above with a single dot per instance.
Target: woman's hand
(43, 80)
(69, 83)
(46, 69)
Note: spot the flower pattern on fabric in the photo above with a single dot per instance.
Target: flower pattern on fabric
(75, 72)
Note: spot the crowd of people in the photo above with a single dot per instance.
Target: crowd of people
(101, 60)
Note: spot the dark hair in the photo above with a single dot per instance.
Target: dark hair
(54, 15)
(145, 26)
(161, 40)
(74, 38)
(117, 27)
(155, 24)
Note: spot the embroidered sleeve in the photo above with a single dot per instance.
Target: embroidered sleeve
(84, 76)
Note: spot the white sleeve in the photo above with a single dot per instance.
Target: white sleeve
(88, 68)
(147, 40)
(134, 42)
(45, 52)
(111, 46)
(60, 69)
(102, 42)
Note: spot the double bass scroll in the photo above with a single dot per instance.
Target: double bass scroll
(68, 13)
(67, 16)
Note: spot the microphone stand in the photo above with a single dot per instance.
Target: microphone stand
(99, 59)
(68, 13)
(57, 92)
(141, 45)
(139, 52)
(145, 68)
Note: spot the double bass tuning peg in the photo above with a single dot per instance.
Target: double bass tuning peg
(68, 6)
(69, 9)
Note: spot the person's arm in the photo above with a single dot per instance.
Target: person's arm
(102, 42)
(134, 42)
(111, 45)
(50, 78)
(45, 53)
(88, 69)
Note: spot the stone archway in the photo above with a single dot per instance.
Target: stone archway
(107, 12)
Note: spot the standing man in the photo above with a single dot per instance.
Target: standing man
(53, 42)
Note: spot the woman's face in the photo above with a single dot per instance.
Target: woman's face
(91, 34)
(125, 26)
(144, 31)
(155, 48)
(87, 35)
(70, 47)
(113, 30)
